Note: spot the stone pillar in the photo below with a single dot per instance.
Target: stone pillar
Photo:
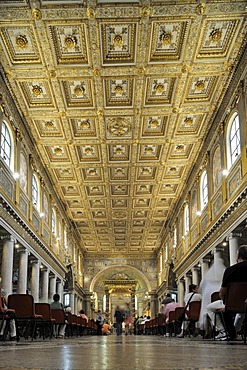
(23, 266)
(205, 265)
(75, 304)
(35, 280)
(195, 275)
(52, 286)
(132, 303)
(59, 289)
(45, 284)
(7, 264)
(187, 282)
(153, 304)
(233, 239)
(181, 292)
(107, 298)
(88, 304)
(72, 301)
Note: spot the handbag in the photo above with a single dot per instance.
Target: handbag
(182, 316)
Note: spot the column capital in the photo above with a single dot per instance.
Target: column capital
(34, 261)
(233, 235)
(206, 260)
(23, 250)
(196, 268)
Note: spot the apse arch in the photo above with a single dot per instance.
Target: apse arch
(119, 268)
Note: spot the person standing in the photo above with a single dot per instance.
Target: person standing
(99, 322)
(119, 320)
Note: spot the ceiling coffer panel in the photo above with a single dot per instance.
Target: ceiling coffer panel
(119, 99)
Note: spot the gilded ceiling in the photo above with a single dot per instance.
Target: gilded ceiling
(119, 97)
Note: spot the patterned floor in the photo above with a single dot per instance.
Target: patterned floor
(123, 353)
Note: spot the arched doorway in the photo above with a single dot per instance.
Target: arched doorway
(118, 285)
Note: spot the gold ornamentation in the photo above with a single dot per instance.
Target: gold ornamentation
(18, 134)
(173, 170)
(159, 89)
(174, 110)
(52, 74)
(153, 123)
(96, 72)
(90, 13)
(200, 85)
(92, 172)
(166, 38)
(70, 42)
(36, 14)
(21, 41)
(200, 9)
(119, 171)
(119, 90)
(146, 11)
(84, 125)
(188, 121)
(58, 150)
(118, 41)
(89, 150)
(37, 90)
(119, 127)
(185, 69)
(149, 150)
(49, 125)
(180, 148)
(79, 90)
(215, 35)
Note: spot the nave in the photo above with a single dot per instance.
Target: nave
(132, 352)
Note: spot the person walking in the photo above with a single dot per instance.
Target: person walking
(119, 320)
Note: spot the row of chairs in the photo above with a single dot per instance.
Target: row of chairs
(235, 302)
(31, 317)
(158, 325)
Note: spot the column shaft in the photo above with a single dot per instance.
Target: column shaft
(23, 266)
(35, 280)
(45, 285)
(7, 265)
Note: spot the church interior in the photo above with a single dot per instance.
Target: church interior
(123, 165)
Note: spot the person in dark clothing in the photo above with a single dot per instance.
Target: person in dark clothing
(234, 273)
(119, 320)
(167, 299)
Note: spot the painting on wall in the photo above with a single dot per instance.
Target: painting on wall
(217, 170)
(23, 173)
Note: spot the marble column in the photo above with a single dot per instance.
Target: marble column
(188, 281)
(52, 286)
(23, 266)
(75, 304)
(7, 264)
(59, 288)
(107, 297)
(195, 275)
(45, 284)
(205, 265)
(72, 301)
(88, 304)
(233, 240)
(35, 280)
(153, 304)
(181, 292)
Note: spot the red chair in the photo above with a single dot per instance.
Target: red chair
(44, 309)
(193, 315)
(23, 304)
(59, 315)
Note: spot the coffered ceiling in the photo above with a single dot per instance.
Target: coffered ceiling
(119, 97)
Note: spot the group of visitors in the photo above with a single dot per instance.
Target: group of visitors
(216, 279)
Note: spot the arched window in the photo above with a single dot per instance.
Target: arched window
(53, 222)
(186, 219)
(35, 192)
(6, 146)
(233, 140)
(204, 189)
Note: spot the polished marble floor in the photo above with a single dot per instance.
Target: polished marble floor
(123, 353)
